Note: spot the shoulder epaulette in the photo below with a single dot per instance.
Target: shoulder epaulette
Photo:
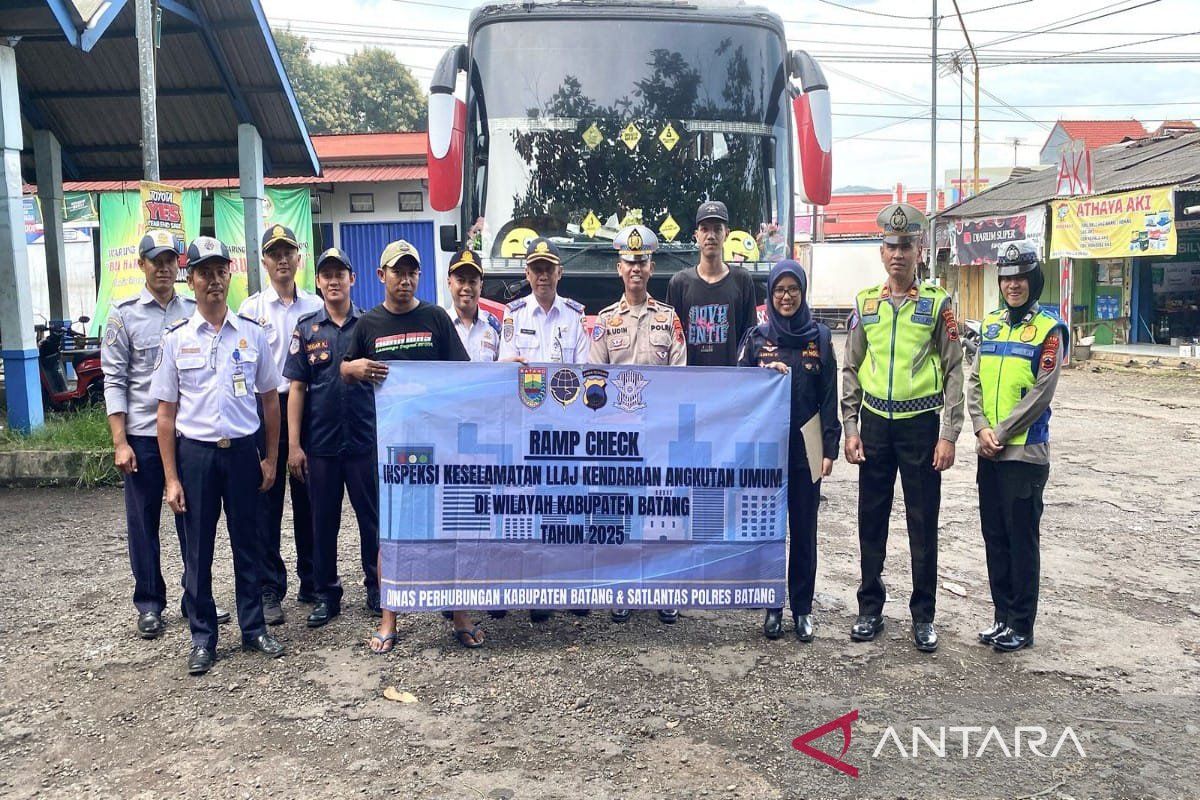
(609, 308)
(307, 316)
(574, 305)
(179, 323)
(490, 319)
(517, 305)
(128, 301)
(250, 319)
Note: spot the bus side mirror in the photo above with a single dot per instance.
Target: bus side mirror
(448, 238)
(814, 129)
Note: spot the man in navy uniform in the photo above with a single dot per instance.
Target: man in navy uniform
(337, 449)
(210, 368)
(127, 354)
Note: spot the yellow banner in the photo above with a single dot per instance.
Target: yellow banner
(1127, 225)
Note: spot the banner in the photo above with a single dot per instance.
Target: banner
(1140, 223)
(290, 207)
(121, 229)
(79, 215)
(162, 210)
(978, 240)
(555, 486)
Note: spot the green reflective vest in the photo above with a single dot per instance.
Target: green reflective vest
(1009, 360)
(901, 374)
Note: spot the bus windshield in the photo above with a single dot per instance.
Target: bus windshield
(579, 129)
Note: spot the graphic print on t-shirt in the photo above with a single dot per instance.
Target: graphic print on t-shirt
(708, 324)
(411, 340)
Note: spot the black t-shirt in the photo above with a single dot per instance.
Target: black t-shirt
(715, 316)
(423, 334)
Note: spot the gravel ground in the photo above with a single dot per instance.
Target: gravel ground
(707, 708)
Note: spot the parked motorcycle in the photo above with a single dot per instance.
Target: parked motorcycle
(972, 337)
(59, 343)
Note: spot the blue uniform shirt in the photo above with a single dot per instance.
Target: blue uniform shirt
(339, 417)
(201, 369)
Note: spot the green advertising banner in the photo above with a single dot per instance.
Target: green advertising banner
(289, 207)
(121, 228)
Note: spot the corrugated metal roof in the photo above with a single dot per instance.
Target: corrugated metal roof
(217, 67)
(333, 174)
(1120, 168)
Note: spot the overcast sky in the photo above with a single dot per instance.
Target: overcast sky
(874, 145)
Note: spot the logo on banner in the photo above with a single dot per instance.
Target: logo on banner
(630, 385)
(532, 386)
(565, 386)
(595, 391)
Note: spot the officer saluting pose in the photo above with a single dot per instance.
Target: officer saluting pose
(209, 369)
(637, 329)
(903, 364)
(1009, 395)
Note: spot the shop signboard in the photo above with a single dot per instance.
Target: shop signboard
(1126, 225)
(976, 241)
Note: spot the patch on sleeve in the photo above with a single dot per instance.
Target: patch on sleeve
(294, 347)
(951, 324)
(597, 330)
(1050, 352)
(852, 321)
(507, 329)
(110, 335)
(492, 322)
(677, 326)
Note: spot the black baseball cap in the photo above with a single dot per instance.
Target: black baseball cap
(712, 209)
(542, 249)
(279, 234)
(466, 258)
(334, 254)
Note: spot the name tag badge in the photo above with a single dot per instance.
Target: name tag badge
(189, 362)
(239, 384)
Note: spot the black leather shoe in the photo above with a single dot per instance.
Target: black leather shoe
(1009, 641)
(498, 614)
(308, 598)
(372, 603)
(668, 616)
(222, 616)
(150, 625)
(866, 628)
(540, 615)
(925, 637)
(272, 611)
(322, 613)
(989, 636)
(581, 612)
(620, 615)
(266, 644)
(200, 660)
(806, 629)
(773, 624)
(447, 615)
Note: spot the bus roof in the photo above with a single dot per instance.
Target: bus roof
(721, 11)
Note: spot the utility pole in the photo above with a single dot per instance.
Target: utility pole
(931, 204)
(975, 61)
(1016, 142)
(147, 82)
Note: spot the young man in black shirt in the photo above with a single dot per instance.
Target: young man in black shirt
(715, 302)
(403, 328)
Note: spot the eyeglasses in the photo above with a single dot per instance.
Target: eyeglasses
(786, 291)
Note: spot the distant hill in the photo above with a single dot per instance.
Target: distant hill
(859, 190)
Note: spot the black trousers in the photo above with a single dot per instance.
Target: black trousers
(904, 445)
(803, 498)
(213, 477)
(270, 517)
(329, 475)
(143, 515)
(1010, 513)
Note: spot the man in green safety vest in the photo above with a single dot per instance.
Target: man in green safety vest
(1009, 396)
(903, 365)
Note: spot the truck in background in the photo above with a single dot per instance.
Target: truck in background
(837, 271)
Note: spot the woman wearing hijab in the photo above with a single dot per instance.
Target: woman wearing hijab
(1009, 394)
(795, 344)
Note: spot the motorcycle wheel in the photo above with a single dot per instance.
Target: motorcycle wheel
(95, 393)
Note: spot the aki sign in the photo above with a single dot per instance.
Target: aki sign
(581, 486)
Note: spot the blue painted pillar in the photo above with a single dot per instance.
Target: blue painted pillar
(22, 385)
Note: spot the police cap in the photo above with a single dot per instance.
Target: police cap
(901, 223)
(1017, 258)
(542, 249)
(635, 243)
(466, 259)
(278, 234)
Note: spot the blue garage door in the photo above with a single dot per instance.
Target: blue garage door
(364, 241)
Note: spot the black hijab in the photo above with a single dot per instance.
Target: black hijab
(798, 330)
(1037, 282)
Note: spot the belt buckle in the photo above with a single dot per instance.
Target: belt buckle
(223, 443)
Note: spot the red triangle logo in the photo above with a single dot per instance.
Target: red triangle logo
(843, 724)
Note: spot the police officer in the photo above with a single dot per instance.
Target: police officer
(278, 308)
(1009, 394)
(637, 329)
(127, 355)
(337, 420)
(544, 326)
(903, 364)
(477, 327)
(210, 368)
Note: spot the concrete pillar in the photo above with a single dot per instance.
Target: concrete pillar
(48, 157)
(250, 181)
(22, 386)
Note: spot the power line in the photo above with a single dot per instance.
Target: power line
(1069, 22)
(869, 11)
(993, 8)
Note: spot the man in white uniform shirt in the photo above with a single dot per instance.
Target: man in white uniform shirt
(477, 327)
(544, 326)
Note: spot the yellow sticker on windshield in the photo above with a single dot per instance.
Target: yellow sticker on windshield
(590, 224)
(669, 228)
(631, 136)
(634, 217)
(669, 137)
(592, 137)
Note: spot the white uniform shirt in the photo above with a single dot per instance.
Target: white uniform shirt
(199, 368)
(556, 336)
(279, 320)
(482, 338)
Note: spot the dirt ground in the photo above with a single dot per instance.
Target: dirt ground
(707, 708)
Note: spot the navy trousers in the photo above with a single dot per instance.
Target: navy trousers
(357, 475)
(143, 515)
(804, 497)
(1010, 513)
(213, 477)
(270, 518)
